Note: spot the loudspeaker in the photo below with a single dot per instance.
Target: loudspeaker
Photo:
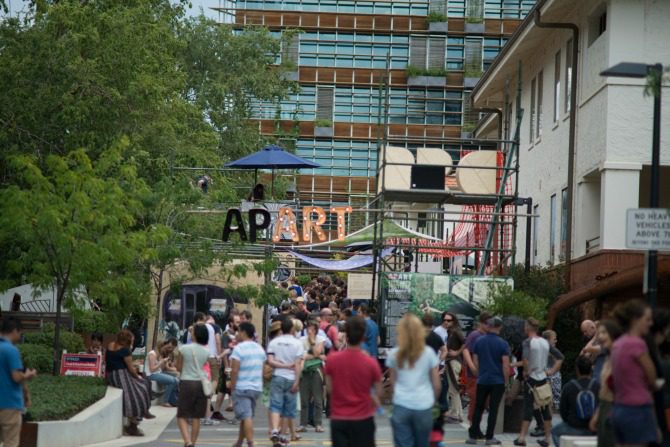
(427, 177)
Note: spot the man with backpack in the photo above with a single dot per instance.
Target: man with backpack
(579, 400)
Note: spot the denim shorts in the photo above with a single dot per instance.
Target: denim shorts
(634, 424)
(244, 403)
(282, 400)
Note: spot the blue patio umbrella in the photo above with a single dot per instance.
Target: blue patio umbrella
(271, 157)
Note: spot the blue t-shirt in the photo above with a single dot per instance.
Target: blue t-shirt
(490, 349)
(414, 387)
(251, 357)
(11, 396)
(371, 336)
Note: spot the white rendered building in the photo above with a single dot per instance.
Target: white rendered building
(612, 136)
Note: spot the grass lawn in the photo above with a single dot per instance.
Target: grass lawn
(60, 398)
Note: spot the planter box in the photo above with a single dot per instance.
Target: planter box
(323, 131)
(291, 76)
(470, 82)
(438, 27)
(101, 422)
(474, 28)
(427, 81)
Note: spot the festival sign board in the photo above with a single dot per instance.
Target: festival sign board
(81, 365)
(425, 292)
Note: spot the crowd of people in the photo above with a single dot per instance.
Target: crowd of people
(322, 360)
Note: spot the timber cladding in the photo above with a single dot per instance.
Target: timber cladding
(395, 24)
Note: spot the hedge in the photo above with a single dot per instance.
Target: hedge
(69, 341)
(35, 356)
(60, 398)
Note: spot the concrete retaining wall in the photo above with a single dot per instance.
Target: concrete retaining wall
(100, 422)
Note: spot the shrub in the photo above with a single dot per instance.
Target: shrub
(436, 17)
(39, 357)
(506, 302)
(69, 341)
(89, 321)
(60, 398)
(303, 280)
(323, 123)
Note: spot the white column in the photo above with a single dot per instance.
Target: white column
(620, 190)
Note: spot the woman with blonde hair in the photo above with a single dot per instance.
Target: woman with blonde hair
(415, 383)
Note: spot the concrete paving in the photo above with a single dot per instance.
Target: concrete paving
(225, 434)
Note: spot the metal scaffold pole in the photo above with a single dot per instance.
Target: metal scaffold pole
(512, 156)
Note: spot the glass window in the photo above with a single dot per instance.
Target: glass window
(552, 228)
(531, 136)
(539, 104)
(557, 86)
(568, 75)
(564, 223)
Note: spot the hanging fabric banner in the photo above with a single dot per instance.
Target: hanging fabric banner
(352, 263)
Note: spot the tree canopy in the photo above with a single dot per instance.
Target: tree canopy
(99, 102)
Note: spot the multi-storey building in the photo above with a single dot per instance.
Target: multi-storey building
(611, 140)
(340, 56)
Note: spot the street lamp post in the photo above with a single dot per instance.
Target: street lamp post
(635, 70)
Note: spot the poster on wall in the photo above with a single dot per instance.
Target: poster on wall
(424, 292)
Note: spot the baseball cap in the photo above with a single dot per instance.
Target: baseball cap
(300, 300)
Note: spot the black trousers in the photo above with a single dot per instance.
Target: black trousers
(353, 433)
(484, 392)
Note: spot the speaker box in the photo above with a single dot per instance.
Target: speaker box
(427, 177)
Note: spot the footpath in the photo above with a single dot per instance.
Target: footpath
(163, 432)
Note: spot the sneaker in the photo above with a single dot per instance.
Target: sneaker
(209, 422)
(471, 441)
(519, 443)
(283, 440)
(217, 416)
(274, 437)
(537, 433)
(493, 441)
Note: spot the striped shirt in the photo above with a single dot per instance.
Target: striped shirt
(251, 357)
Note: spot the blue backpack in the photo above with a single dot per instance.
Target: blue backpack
(586, 401)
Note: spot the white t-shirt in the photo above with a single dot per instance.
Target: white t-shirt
(286, 349)
(414, 387)
(536, 351)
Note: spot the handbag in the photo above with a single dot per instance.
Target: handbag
(204, 381)
(542, 395)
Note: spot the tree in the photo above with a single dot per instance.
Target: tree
(73, 220)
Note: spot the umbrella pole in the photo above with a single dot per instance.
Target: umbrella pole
(255, 177)
(273, 184)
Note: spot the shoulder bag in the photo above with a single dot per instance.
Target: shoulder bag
(206, 384)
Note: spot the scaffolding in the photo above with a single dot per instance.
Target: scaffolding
(487, 224)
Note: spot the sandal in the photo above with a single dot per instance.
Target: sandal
(319, 429)
(296, 438)
(300, 429)
(149, 416)
(519, 443)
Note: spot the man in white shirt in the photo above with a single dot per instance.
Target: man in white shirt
(285, 355)
(535, 358)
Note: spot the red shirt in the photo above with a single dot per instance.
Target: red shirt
(353, 375)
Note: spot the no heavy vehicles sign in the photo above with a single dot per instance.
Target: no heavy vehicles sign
(648, 229)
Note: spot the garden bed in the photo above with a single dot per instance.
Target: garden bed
(60, 398)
